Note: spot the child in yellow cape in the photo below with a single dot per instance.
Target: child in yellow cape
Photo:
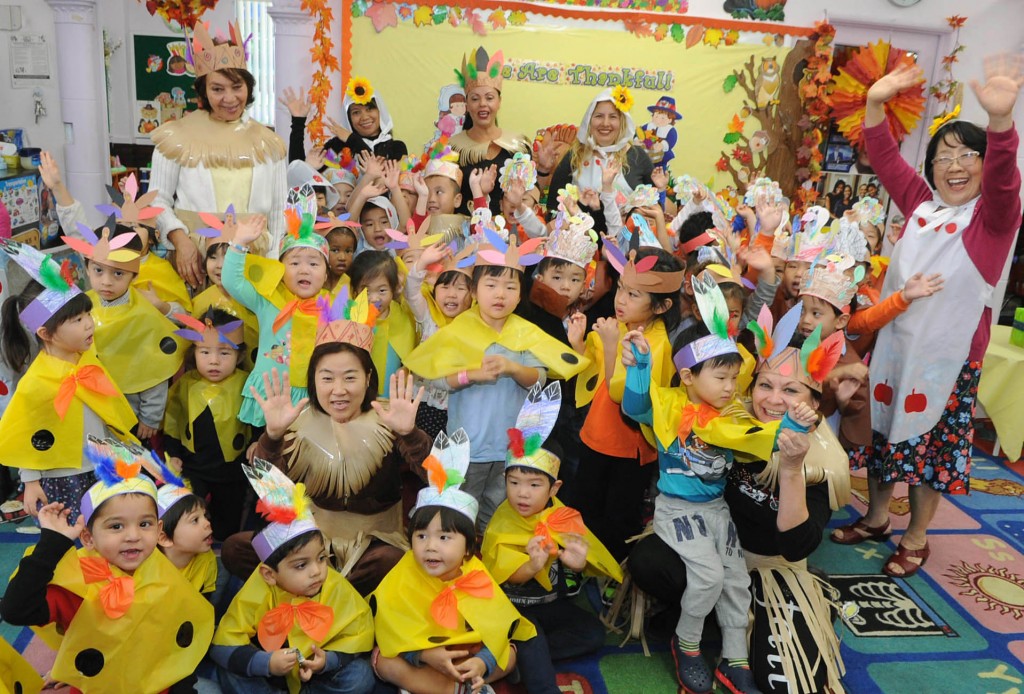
(296, 624)
(186, 536)
(394, 334)
(66, 393)
(283, 294)
(217, 236)
(134, 338)
(536, 547)
(130, 620)
(488, 357)
(615, 461)
(441, 619)
(201, 425)
(701, 429)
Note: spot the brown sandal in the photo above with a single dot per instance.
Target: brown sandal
(904, 558)
(859, 531)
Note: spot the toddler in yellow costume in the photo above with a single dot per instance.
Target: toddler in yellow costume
(296, 623)
(66, 393)
(130, 620)
(441, 619)
(536, 547)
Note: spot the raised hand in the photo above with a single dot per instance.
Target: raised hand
(337, 130)
(55, 517)
(803, 414)
(391, 173)
(49, 171)
(607, 329)
(420, 184)
(589, 198)
(315, 158)
(433, 255)
(277, 406)
(545, 155)
(369, 165)
(633, 339)
(577, 331)
(609, 170)
(1003, 80)
(250, 228)
(488, 178)
(400, 416)
(770, 216)
(514, 194)
(659, 177)
(903, 77)
(297, 103)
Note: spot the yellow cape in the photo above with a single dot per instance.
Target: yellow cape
(34, 437)
(201, 572)
(16, 675)
(734, 428)
(504, 547)
(403, 622)
(396, 333)
(215, 297)
(662, 368)
(136, 342)
(461, 344)
(167, 284)
(158, 642)
(192, 394)
(351, 632)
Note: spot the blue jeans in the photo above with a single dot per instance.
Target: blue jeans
(355, 678)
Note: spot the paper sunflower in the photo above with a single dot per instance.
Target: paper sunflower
(359, 90)
(622, 99)
(850, 92)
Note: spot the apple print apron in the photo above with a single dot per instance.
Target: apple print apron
(919, 356)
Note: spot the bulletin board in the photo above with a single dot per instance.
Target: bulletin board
(163, 81)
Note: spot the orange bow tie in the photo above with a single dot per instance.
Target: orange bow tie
(314, 619)
(445, 608)
(90, 377)
(306, 306)
(561, 520)
(116, 597)
(695, 414)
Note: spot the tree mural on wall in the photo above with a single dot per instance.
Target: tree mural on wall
(772, 112)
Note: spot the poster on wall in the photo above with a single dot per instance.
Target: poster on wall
(718, 102)
(30, 60)
(163, 82)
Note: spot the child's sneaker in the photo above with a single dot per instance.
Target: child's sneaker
(691, 670)
(737, 680)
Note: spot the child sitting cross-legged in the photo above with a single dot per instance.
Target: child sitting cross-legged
(536, 547)
(296, 624)
(701, 429)
(130, 621)
(441, 621)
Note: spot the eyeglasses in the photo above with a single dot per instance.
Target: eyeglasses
(966, 159)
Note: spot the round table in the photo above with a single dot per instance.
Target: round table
(1001, 390)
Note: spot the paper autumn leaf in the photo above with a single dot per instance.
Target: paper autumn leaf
(421, 17)
(736, 124)
(517, 18)
(383, 15)
(405, 11)
(677, 33)
(476, 23)
(694, 35)
(713, 37)
(661, 32)
(731, 138)
(722, 164)
(497, 19)
(730, 83)
(956, 21)
(731, 37)
(454, 18)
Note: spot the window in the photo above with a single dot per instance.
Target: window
(254, 20)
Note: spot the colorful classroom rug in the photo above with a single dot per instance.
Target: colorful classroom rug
(956, 627)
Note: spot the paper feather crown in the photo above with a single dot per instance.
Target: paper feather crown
(446, 468)
(119, 468)
(480, 70)
(533, 426)
(105, 249)
(282, 502)
(347, 320)
(58, 285)
(715, 314)
(810, 364)
(207, 56)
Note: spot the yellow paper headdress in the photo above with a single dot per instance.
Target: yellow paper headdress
(480, 70)
(104, 249)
